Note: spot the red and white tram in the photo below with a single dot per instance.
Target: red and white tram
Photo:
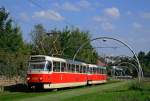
(51, 72)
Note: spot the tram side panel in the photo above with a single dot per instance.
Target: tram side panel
(60, 80)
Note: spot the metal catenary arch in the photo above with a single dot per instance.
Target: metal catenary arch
(134, 61)
(129, 64)
(125, 44)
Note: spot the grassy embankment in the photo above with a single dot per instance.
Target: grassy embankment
(119, 91)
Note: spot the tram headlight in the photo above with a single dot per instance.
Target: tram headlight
(28, 78)
(40, 78)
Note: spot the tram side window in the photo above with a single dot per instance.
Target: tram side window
(88, 70)
(77, 68)
(49, 66)
(102, 71)
(56, 66)
(81, 69)
(84, 69)
(73, 68)
(94, 71)
(63, 67)
(91, 70)
(99, 70)
(69, 68)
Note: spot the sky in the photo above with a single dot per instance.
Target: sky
(126, 20)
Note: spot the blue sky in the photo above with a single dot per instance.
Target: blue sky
(128, 20)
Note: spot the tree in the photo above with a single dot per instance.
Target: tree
(71, 40)
(13, 50)
(44, 43)
(145, 61)
(10, 36)
(63, 43)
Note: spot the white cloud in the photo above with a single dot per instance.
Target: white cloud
(137, 25)
(84, 4)
(99, 19)
(129, 13)
(48, 14)
(70, 7)
(24, 16)
(107, 26)
(112, 12)
(145, 15)
(76, 6)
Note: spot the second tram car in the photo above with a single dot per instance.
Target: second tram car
(51, 72)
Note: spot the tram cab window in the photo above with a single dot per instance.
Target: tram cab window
(56, 66)
(37, 66)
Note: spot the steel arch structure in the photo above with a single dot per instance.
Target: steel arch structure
(129, 64)
(117, 40)
(134, 61)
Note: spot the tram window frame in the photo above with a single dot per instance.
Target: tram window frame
(56, 68)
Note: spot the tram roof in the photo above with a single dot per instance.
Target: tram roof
(59, 59)
(93, 65)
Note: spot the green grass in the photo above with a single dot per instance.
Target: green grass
(133, 91)
(113, 91)
(122, 95)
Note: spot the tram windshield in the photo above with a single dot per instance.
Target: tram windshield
(40, 66)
